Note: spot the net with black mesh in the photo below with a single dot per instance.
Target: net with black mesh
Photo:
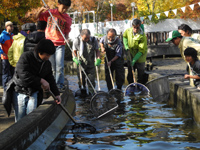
(117, 94)
(135, 89)
(83, 128)
(102, 104)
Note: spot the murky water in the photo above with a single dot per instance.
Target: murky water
(138, 123)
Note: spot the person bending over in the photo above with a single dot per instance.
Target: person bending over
(191, 57)
(112, 45)
(86, 47)
(33, 72)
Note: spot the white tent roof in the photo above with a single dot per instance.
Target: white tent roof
(171, 24)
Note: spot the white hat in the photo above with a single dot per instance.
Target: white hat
(8, 23)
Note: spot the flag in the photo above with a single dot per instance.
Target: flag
(150, 16)
(175, 11)
(192, 6)
(158, 15)
(183, 9)
(166, 13)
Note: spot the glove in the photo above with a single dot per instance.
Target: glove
(137, 56)
(75, 59)
(133, 62)
(98, 62)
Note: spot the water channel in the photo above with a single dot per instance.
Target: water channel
(138, 123)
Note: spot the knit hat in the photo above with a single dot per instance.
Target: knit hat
(8, 23)
(172, 35)
(28, 26)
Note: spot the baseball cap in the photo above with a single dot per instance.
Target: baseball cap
(8, 23)
(172, 35)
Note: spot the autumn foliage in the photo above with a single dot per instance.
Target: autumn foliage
(22, 11)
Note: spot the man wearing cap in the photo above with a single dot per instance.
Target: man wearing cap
(6, 40)
(183, 43)
(135, 43)
(17, 46)
(33, 38)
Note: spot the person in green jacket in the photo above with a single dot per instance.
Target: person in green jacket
(135, 43)
(17, 47)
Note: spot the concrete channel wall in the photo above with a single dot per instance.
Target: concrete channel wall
(39, 128)
(185, 99)
(177, 93)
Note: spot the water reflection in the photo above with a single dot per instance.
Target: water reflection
(139, 123)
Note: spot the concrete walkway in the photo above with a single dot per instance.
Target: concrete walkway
(169, 65)
(5, 121)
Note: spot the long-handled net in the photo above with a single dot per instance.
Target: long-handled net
(97, 74)
(83, 90)
(102, 103)
(105, 98)
(118, 94)
(135, 89)
(77, 127)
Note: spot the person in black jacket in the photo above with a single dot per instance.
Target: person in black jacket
(32, 72)
(33, 38)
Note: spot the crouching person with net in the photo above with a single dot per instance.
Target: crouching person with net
(114, 61)
(84, 48)
(32, 72)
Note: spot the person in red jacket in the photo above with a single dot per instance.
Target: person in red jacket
(6, 40)
(64, 22)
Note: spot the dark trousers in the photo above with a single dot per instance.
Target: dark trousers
(140, 72)
(119, 75)
(90, 71)
(7, 72)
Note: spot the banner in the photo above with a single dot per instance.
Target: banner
(174, 10)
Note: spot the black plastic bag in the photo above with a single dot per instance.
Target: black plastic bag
(7, 98)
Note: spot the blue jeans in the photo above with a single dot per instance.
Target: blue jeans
(24, 104)
(57, 62)
(7, 72)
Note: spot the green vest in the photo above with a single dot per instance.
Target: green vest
(136, 43)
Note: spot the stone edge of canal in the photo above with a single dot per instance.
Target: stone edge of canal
(38, 129)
